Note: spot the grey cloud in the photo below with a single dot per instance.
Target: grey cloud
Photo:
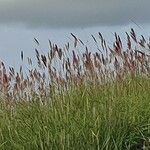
(73, 13)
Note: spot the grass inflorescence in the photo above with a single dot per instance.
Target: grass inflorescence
(79, 100)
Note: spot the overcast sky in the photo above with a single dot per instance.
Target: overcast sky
(22, 20)
(73, 13)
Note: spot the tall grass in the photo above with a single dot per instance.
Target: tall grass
(98, 100)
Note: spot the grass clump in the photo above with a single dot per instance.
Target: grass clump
(95, 101)
(112, 116)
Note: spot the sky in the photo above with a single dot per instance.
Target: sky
(22, 20)
(73, 13)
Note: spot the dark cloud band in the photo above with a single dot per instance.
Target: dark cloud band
(73, 13)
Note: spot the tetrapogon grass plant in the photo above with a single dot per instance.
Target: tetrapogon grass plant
(76, 98)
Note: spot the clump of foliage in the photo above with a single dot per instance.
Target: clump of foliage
(79, 100)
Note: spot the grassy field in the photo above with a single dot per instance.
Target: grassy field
(100, 101)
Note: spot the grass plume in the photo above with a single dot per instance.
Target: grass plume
(79, 100)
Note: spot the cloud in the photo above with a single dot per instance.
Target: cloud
(73, 13)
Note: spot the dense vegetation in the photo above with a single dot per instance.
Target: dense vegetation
(73, 100)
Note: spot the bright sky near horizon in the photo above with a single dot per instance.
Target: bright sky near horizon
(22, 20)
